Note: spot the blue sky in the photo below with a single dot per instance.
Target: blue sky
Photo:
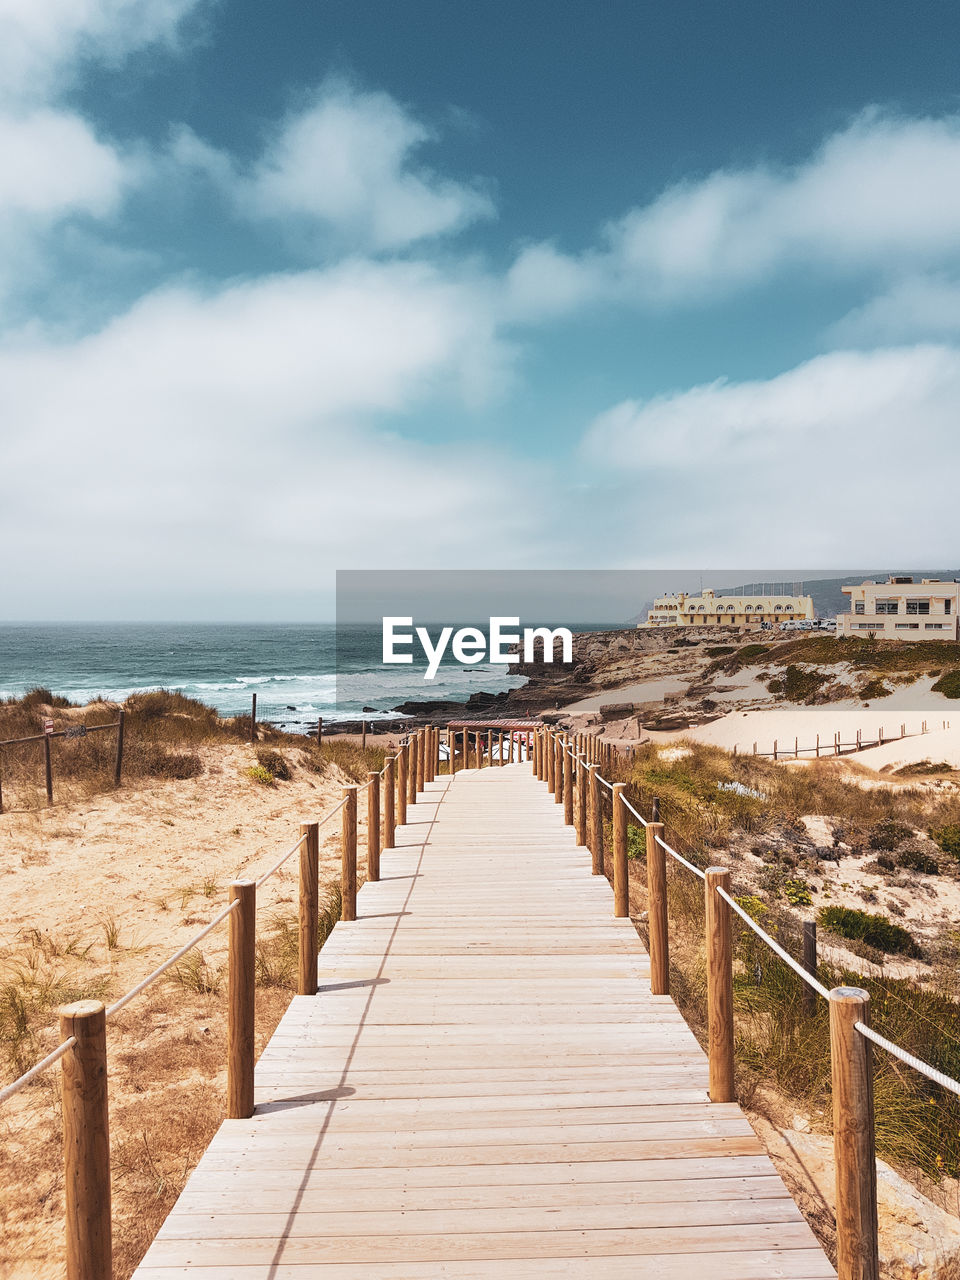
(291, 288)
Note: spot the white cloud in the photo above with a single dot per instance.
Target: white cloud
(926, 306)
(54, 165)
(878, 196)
(347, 162)
(43, 41)
(237, 438)
(849, 449)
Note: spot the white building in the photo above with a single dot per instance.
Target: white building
(902, 609)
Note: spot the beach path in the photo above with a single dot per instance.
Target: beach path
(485, 1087)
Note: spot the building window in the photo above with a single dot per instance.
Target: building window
(858, 606)
(907, 626)
(865, 626)
(934, 626)
(948, 607)
(888, 606)
(918, 606)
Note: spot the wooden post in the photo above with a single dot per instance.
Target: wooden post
(500, 759)
(774, 748)
(818, 746)
(319, 731)
(373, 826)
(582, 780)
(348, 855)
(47, 768)
(253, 717)
(241, 988)
(389, 813)
(309, 908)
(402, 787)
(567, 786)
(657, 926)
(596, 823)
(809, 962)
(796, 747)
(363, 735)
(550, 762)
(86, 1142)
(719, 986)
(412, 746)
(621, 888)
(118, 762)
(655, 809)
(451, 751)
(851, 1061)
(421, 760)
(490, 748)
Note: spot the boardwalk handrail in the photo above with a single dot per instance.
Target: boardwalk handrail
(850, 1032)
(88, 1222)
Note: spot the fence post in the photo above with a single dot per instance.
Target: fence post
(421, 760)
(550, 762)
(451, 751)
(363, 735)
(412, 769)
(389, 817)
(567, 786)
(319, 731)
(253, 717)
(809, 962)
(402, 787)
(118, 763)
(581, 825)
(596, 823)
(657, 925)
(86, 1142)
(373, 826)
(241, 988)
(348, 855)
(558, 758)
(851, 1062)
(47, 768)
(719, 985)
(621, 887)
(309, 908)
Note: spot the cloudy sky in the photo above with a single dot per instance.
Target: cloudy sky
(287, 288)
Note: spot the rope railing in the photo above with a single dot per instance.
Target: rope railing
(850, 1031)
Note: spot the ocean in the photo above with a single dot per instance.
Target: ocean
(291, 667)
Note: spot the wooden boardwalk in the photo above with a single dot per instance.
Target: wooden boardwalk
(484, 1087)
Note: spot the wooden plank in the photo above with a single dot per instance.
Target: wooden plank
(484, 1086)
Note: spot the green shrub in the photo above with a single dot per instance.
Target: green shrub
(873, 689)
(274, 763)
(800, 685)
(43, 697)
(888, 833)
(715, 651)
(875, 930)
(917, 860)
(259, 774)
(949, 684)
(948, 838)
(797, 893)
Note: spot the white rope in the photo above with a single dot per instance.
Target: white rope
(605, 783)
(639, 817)
(785, 956)
(167, 964)
(35, 1070)
(679, 857)
(290, 852)
(918, 1064)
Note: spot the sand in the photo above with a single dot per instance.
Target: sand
(646, 691)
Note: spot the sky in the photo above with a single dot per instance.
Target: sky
(292, 288)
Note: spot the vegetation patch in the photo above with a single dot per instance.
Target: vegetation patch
(888, 833)
(875, 930)
(874, 688)
(259, 774)
(797, 893)
(948, 684)
(274, 763)
(948, 838)
(923, 768)
(161, 763)
(717, 650)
